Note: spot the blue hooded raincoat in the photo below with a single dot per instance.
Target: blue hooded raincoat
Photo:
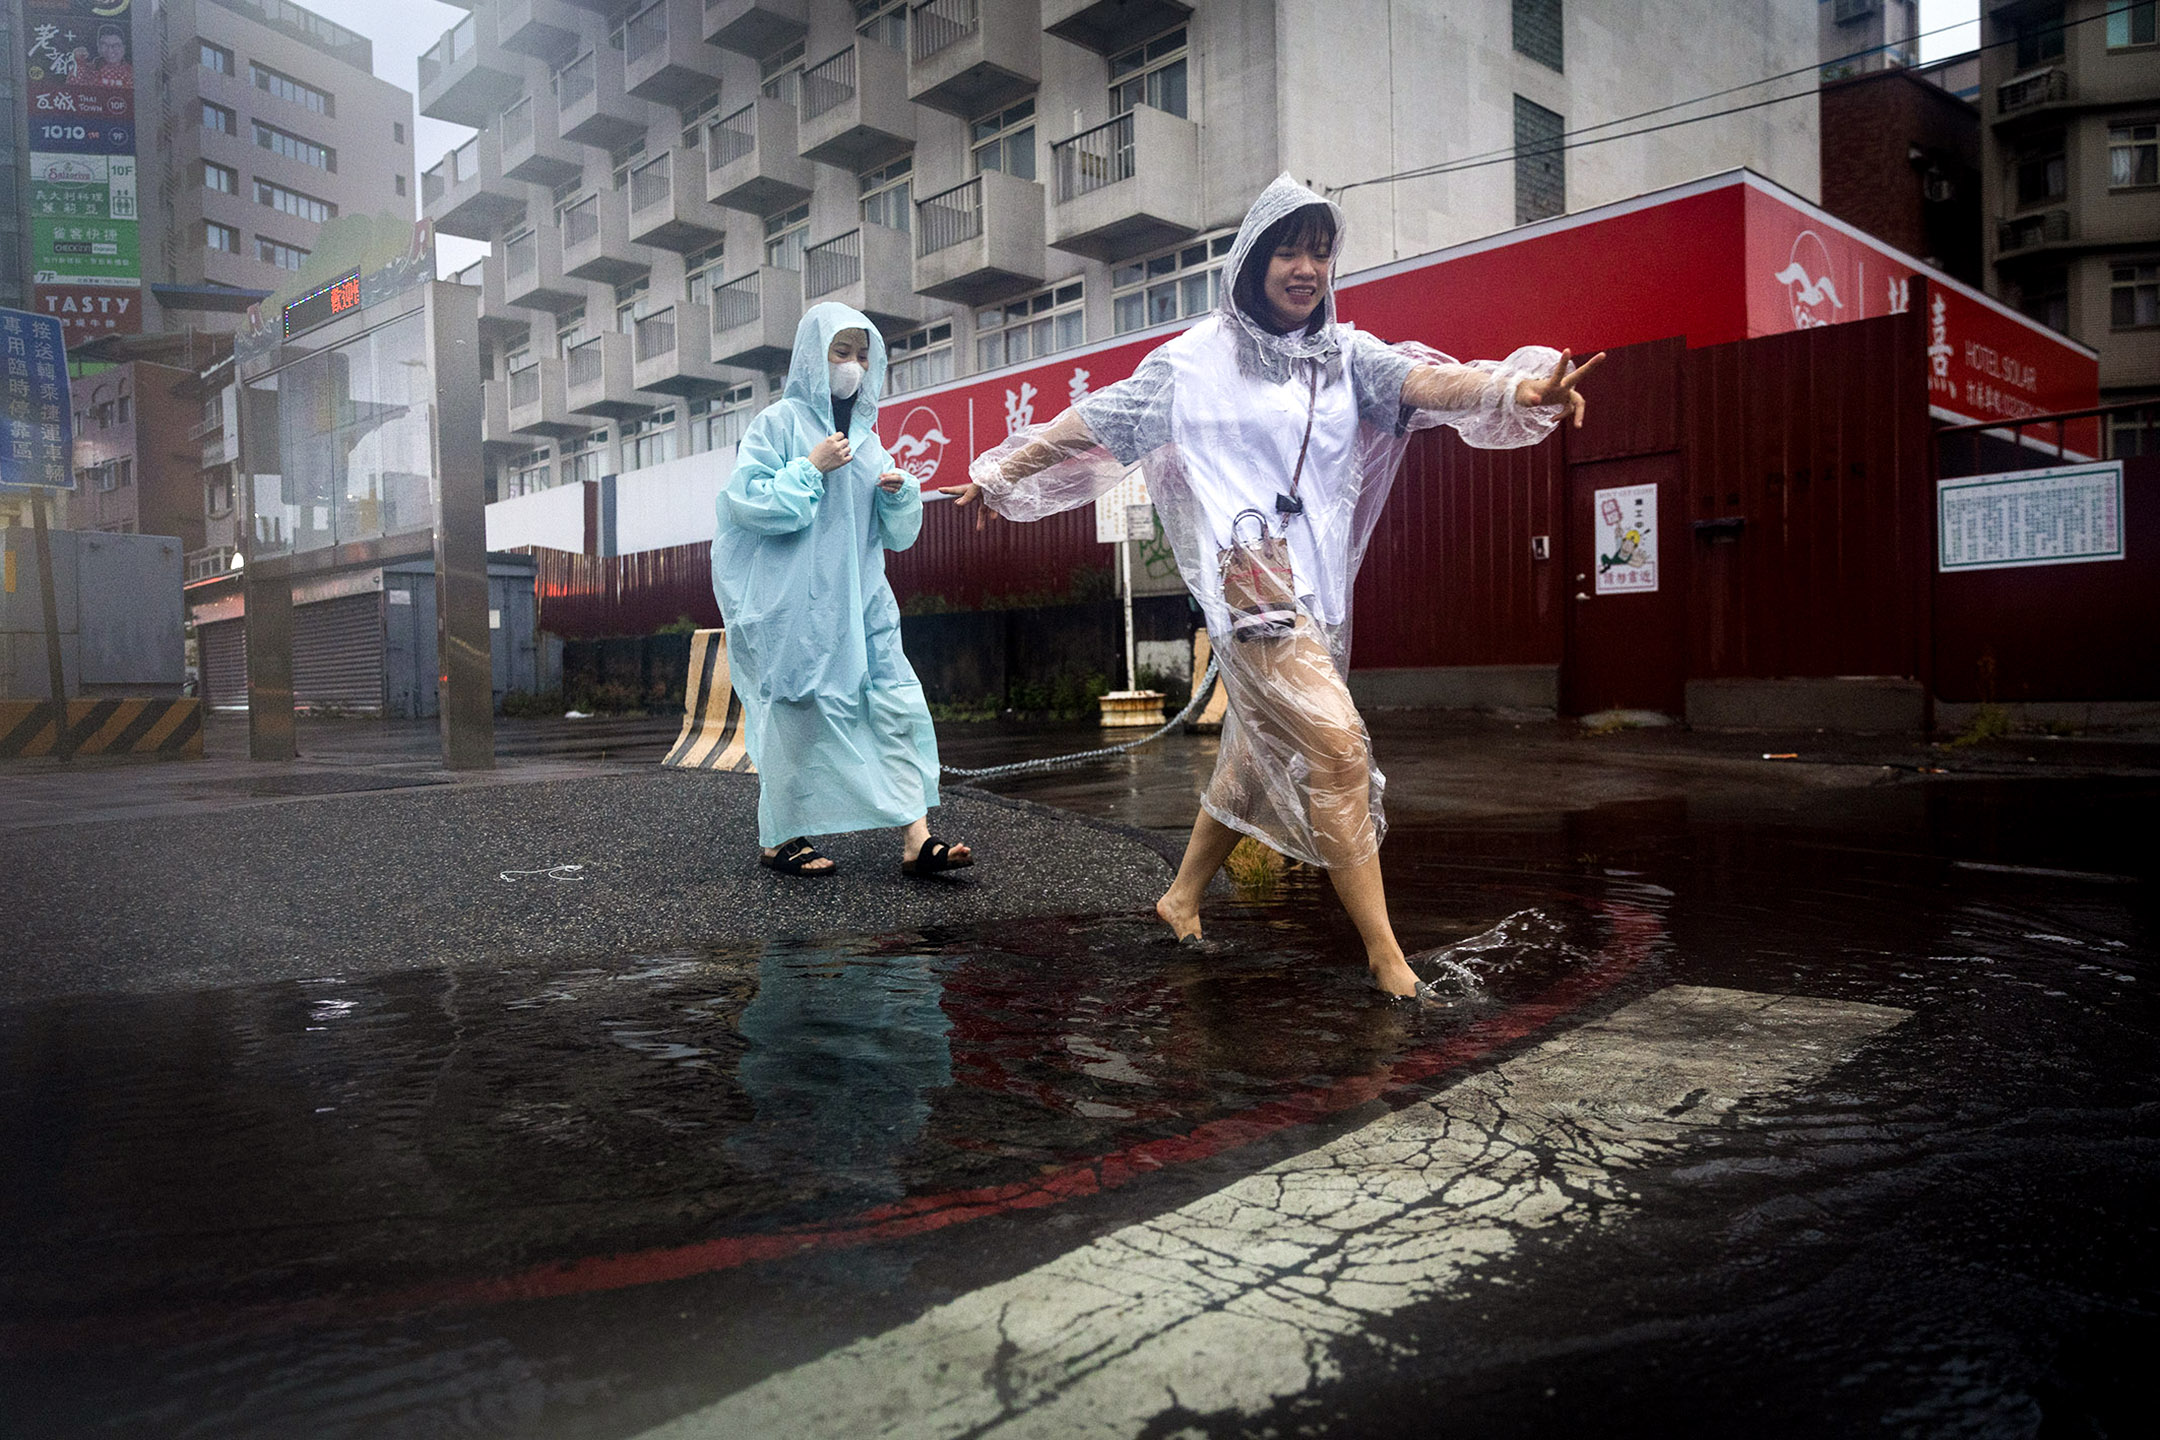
(833, 715)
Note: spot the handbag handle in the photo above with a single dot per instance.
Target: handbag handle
(1257, 514)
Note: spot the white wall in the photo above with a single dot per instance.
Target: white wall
(553, 518)
(670, 504)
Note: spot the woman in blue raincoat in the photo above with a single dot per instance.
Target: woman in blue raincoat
(833, 715)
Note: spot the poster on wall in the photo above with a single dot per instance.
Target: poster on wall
(1626, 539)
(2066, 515)
(79, 115)
(36, 425)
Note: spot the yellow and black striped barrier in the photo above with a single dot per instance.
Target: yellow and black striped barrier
(104, 727)
(712, 727)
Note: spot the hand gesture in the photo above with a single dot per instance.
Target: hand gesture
(891, 481)
(966, 495)
(1558, 388)
(830, 453)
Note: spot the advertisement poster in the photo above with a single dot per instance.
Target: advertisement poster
(2067, 515)
(79, 114)
(78, 252)
(82, 187)
(1626, 539)
(36, 426)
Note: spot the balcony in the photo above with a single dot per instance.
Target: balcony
(498, 322)
(751, 162)
(1127, 186)
(670, 213)
(2042, 87)
(544, 29)
(1108, 26)
(496, 435)
(665, 57)
(465, 193)
(595, 108)
(754, 319)
(673, 352)
(533, 150)
(980, 239)
(533, 273)
(599, 379)
(755, 27)
(871, 268)
(966, 57)
(538, 404)
(465, 77)
(855, 110)
(2029, 232)
(596, 240)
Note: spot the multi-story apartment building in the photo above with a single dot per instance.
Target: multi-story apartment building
(14, 163)
(2070, 105)
(269, 120)
(665, 184)
(135, 459)
(1859, 36)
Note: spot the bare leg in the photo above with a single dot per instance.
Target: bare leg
(911, 843)
(1364, 895)
(1210, 845)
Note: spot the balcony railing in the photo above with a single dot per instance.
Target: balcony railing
(581, 222)
(731, 138)
(2028, 90)
(645, 32)
(736, 303)
(457, 42)
(650, 183)
(936, 24)
(832, 264)
(2029, 230)
(432, 183)
(517, 124)
(576, 80)
(585, 364)
(949, 217)
(655, 334)
(1848, 10)
(831, 83)
(1094, 158)
(521, 256)
(525, 387)
(465, 162)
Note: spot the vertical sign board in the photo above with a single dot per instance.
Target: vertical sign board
(1627, 540)
(38, 436)
(2067, 515)
(79, 114)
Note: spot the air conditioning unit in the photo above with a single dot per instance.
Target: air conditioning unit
(1936, 186)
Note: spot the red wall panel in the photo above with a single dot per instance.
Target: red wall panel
(1042, 562)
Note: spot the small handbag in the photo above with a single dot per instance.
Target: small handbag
(1259, 585)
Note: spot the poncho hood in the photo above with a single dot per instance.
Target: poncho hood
(809, 377)
(1260, 350)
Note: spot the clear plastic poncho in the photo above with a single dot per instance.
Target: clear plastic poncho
(833, 716)
(1216, 417)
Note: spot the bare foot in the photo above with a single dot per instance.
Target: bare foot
(1183, 920)
(1392, 975)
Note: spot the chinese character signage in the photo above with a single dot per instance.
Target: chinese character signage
(2064, 516)
(1627, 539)
(79, 114)
(36, 426)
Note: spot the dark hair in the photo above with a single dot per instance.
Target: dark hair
(1306, 226)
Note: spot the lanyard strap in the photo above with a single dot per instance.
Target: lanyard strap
(1312, 398)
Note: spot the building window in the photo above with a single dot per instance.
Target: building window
(884, 21)
(919, 359)
(1175, 285)
(2134, 297)
(218, 118)
(218, 58)
(1540, 163)
(220, 237)
(887, 194)
(2131, 24)
(780, 73)
(126, 413)
(569, 331)
(2133, 156)
(1005, 141)
(1538, 31)
(785, 236)
(221, 178)
(398, 182)
(2040, 171)
(285, 87)
(582, 457)
(1152, 74)
(702, 271)
(397, 132)
(2044, 294)
(1029, 328)
(718, 422)
(2134, 432)
(2039, 35)
(633, 302)
(276, 252)
(292, 147)
(526, 474)
(650, 441)
(293, 202)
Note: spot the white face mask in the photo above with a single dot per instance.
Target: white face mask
(846, 379)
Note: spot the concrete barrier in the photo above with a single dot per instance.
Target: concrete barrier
(172, 728)
(712, 727)
(1211, 714)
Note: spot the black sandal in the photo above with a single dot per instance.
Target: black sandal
(935, 858)
(795, 857)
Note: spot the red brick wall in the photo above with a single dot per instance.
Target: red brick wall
(1870, 127)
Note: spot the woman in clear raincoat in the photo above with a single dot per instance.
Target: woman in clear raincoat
(833, 716)
(1270, 434)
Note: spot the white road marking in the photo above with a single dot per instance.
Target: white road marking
(1230, 1302)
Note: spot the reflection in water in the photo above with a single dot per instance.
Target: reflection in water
(843, 1052)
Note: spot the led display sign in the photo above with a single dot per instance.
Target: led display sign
(340, 297)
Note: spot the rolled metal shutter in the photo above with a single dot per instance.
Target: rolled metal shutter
(222, 649)
(338, 654)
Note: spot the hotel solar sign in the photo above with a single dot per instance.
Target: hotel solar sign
(2063, 516)
(319, 307)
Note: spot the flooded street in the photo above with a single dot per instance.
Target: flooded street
(1830, 1116)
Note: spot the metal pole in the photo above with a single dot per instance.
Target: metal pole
(1132, 671)
(63, 738)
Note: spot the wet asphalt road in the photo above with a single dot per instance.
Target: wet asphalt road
(1030, 1170)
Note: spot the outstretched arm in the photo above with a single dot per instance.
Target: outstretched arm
(1453, 387)
(1061, 439)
